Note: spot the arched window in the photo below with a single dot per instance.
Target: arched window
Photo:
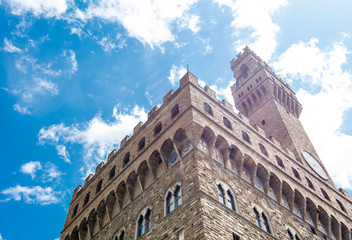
(292, 236)
(280, 162)
(157, 129)
(141, 144)
(144, 223)
(341, 205)
(310, 184)
(74, 212)
(227, 123)
(126, 159)
(263, 149)
(296, 173)
(208, 109)
(112, 173)
(262, 220)
(245, 136)
(227, 200)
(86, 199)
(173, 199)
(100, 183)
(221, 194)
(174, 111)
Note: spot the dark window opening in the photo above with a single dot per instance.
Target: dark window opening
(263, 149)
(157, 129)
(141, 144)
(245, 136)
(126, 159)
(122, 235)
(235, 237)
(341, 205)
(279, 162)
(221, 194)
(326, 196)
(227, 123)
(310, 184)
(112, 173)
(99, 186)
(208, 109)
(263, 122)
(296, 173)
(312, 229)
(75, 210)
(174, 111)
(86, 199)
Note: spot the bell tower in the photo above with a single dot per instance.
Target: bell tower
(270, 103)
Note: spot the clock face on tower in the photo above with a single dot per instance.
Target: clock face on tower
(313, 163)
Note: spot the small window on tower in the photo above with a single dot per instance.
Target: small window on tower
(263, 149)
(310, 184)
(235, 237)
(263, 122)
(341, 205)
(245, 136)
(174, 111)
(296, 173)
(86, 199)
(326, 196)
(126, 159)
(208, 109)
(227, 123)
(112, 173)
(75, 210)
(141, 144)
(279, 162)
(157, 129)
(99, 186)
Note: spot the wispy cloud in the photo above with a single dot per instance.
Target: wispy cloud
(176, 73)
(44, 8)
(32, 195)
(9, 47)
(71, 56)
(22, 110)
(63, 153)
(96, 137)
(326, 95)
(45, 173)
(108, 44)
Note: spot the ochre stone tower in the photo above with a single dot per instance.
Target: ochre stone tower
(197, 170)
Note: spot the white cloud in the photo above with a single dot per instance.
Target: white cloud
(255, 16)
(109, 44)
(224, 93)
(0, 233)
(146, 20)
(191, 22)
(176, 73)
(78, 31)
(36, 195)
(71, 56)
(38, 7)
(96, 137)
(62, 152)
(9, 47)
(22, 110)
(31, 168)
(326, 98)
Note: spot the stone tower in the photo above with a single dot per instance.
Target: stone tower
(197, 170)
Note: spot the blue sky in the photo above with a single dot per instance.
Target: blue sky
(76, 77)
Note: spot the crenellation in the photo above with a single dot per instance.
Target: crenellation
(87, 180)
(210, 92)
(168, 96)
(227, 105)
(124, 141)
(138, 126)
(101, 164)
(152, 112)
(111, 155)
